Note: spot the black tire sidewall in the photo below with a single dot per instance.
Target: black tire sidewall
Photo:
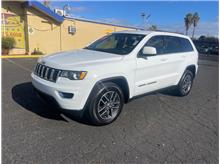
(95, 118)
(181, 93)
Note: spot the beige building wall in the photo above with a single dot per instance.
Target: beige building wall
(86, 32)
(44, 34)
(49, 37)
(14, 8)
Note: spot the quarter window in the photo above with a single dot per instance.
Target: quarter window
(186, 45)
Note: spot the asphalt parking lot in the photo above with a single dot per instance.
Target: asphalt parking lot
(158, 128)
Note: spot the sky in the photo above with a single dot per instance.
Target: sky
(166, 15)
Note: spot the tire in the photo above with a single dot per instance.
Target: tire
(107, 100)
(185, 84)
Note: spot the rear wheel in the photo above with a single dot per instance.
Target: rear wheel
(106, 104)
(185, 84)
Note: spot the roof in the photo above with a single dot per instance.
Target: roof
(40, 7)
(143, 32)
(99, 22)
(159, 32)
(59, 19)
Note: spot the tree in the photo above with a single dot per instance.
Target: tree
(46, 3)
(153, 28)
(202, 37)
(195, 20)
(188, 21)
(208, 38)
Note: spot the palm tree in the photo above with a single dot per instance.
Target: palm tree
(196, 19)
(188, 21)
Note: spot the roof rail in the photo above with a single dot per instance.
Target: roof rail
(164, 31)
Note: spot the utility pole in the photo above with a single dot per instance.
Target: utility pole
(143, 15)
(145, 18)
(66, 9)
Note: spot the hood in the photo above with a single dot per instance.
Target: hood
(79, 57)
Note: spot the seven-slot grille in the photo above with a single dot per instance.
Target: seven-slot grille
(46, 72)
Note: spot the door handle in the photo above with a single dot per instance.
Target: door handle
(183, 56)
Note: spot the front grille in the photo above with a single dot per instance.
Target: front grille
(47, 73)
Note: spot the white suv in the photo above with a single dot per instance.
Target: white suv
(100, 78)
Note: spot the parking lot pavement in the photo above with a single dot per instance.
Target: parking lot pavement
(158, 128)
(209, 57)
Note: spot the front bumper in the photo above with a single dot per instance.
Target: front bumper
(47, 98)
(80, 88)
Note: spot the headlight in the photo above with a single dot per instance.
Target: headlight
(73, 75)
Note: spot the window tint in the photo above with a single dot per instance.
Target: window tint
(172, 44)
(169, 44)
(108, 43)
(117, 43)
(186, 45)
(156, 42)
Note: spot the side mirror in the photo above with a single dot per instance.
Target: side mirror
(149, 51)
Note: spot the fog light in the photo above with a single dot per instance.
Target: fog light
(66, 95)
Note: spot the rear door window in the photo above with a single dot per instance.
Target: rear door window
(172, 44)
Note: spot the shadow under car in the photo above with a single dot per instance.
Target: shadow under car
(25, 95)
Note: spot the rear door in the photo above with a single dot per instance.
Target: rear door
(175, 59)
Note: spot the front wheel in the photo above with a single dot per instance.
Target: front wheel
(185, 84)
(106, 104)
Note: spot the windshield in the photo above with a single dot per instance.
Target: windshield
(118, 43)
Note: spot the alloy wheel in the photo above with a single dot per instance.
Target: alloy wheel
(187, 83)
(109, 105)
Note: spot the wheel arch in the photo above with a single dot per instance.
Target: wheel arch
(120, 81)
(192, 68)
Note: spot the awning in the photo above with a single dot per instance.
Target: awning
(41, 8)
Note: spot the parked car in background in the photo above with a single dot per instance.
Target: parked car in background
(207, 47)
(100, 78)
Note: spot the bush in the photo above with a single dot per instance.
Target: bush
(37, 52)
(8, 43)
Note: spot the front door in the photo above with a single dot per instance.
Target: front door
(159, 71)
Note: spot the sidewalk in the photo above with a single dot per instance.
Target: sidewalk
(20, 56)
